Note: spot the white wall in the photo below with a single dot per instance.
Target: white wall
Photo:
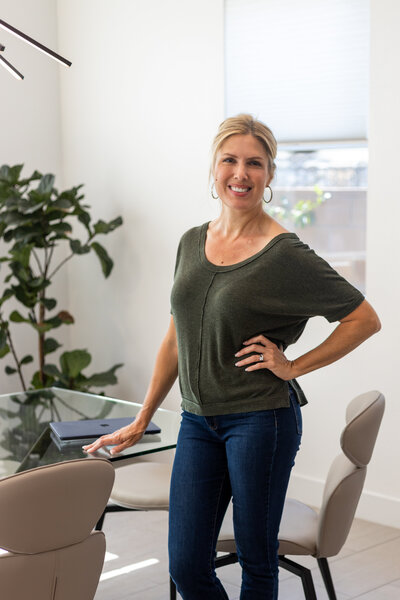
(29, 126)
(139, 108)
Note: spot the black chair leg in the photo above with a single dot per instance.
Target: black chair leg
(308, 585)
(303, 573)
(172, 589)
(110, 508)
(99, 524)
(326, 576)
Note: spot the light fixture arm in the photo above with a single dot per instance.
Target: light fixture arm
(34, 43)
(10, 68)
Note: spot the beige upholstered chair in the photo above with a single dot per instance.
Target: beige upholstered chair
(46, 520)
(305, 532)
(139, 486)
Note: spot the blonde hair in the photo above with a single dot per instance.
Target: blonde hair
(245, 124)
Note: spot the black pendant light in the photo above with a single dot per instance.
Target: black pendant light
(7, 65)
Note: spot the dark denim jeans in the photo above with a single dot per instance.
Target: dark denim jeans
(246, 456)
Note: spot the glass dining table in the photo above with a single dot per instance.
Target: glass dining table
(26, 440)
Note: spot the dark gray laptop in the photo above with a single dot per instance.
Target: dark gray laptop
(90, 429)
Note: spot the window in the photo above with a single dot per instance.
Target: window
(302, 68)
(320, 194)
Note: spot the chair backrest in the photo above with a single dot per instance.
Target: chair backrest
(346, 476)
(48, 514)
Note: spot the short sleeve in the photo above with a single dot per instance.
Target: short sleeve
(317, 289)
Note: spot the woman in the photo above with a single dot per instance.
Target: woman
(244, 289)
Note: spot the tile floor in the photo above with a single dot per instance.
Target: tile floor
(368, 567)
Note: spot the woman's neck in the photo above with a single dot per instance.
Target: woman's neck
(232, 225)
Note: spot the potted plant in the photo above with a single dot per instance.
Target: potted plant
(35, 219)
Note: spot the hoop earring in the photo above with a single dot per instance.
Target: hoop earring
(212, 195)
(268, 201)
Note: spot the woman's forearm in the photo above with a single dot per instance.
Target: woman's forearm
(260, 353)
(350, 333)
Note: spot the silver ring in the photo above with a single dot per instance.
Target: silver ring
(261, 357)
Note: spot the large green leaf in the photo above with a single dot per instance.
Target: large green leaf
(72, 363)
(3, 337)
(26, 234)
(15, 218)
(8, 293)
(32, 207)
(22, 294)
(21, 253)
(16, 317)
(54, 214)
(46, 184)
(4, 348)
(51, 345)
(20, 272)
(105, 378)
(39, 283)
(61, 227)
(26, 360)
(10, 174)
(62, 202)
(4, 170)
(49, 303)
(8, 235)
(53, 371)
(103, 227)
(4, 351)
(84, 217)
(105, 260)
(78, 248)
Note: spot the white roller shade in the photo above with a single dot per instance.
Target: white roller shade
(301, 66)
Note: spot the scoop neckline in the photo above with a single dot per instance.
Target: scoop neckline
(219, 268)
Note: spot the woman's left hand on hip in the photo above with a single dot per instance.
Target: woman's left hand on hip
(268, 356)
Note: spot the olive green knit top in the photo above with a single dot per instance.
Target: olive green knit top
(216, 308)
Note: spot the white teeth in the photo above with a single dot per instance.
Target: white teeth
(239, 189)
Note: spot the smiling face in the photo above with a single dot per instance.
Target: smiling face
(241, 172)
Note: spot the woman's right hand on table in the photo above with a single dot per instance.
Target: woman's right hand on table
(122, 438)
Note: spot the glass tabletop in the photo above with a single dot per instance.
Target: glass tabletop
(25, 436)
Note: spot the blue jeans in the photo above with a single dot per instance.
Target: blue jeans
(246, 456)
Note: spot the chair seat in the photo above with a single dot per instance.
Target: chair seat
(298, 529)
(297, 533)
(142, 486)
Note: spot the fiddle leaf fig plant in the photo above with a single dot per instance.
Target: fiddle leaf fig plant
(35, 219)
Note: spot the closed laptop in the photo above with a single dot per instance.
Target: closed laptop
(89, 429)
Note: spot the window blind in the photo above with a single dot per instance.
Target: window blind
(300, 66)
